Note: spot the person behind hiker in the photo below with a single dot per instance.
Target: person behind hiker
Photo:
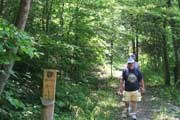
(130, 84)
(136, 64)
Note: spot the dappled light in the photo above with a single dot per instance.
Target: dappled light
(89, 59)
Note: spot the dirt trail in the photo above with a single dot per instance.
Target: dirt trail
(150, 108)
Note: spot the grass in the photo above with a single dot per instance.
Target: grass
(95, 104)
(90, 101)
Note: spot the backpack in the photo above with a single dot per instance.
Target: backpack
(136, 65)
(136, 71)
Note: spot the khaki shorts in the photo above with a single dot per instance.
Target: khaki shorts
(131, 96)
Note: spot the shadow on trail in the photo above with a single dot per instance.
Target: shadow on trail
(152, 107)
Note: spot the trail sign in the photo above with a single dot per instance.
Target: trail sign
(48, 99)
(49, 83)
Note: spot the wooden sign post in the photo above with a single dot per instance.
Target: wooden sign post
(49, 89)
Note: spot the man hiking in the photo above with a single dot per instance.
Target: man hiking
(131, 83)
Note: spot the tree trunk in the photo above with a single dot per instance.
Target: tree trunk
(165, 57)
(178, 61)
(23, 14)
(1, 7)
(176, 47)
(46, 15)
(166, 63)
(111, 57)
(137, 47)
(133, 46)
(73, 19)
(169, 3)
(20, 23)
(62, 18)
(176, 43)
(178, 53)
(48, 12)
(43, 18)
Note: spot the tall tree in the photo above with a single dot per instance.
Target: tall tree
(165, 56)
(1, 7)
(20, 24)
(175, 36)
(137, 47)
(62, 17)
(134, 45)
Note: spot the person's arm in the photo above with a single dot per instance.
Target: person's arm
(141, 82)
(142, 88)
(121, 87)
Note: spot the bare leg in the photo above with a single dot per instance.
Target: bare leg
(134, 109)
(134, 106)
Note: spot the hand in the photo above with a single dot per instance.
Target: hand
(120, 92)
(142, 90)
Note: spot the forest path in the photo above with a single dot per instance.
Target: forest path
(152, 107)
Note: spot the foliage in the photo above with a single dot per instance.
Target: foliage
(20, 102)
(80, 103)
(10, 39)
(156, 26)
(76, 37)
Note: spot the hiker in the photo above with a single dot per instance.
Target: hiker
(131, 87)
(136, 64)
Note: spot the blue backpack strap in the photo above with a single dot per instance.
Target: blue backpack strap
(126, 70)
(136, 71)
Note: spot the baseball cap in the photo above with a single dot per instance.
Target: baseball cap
(130, 60)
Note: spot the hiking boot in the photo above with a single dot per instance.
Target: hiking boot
(125, 113)
(129, 110)
(134, 117)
